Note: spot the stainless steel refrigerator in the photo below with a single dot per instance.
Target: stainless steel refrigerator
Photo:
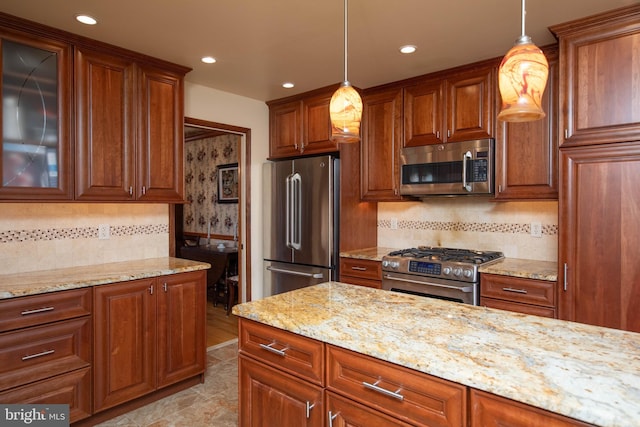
(300, 223)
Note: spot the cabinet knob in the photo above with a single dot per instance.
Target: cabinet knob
(131, 191)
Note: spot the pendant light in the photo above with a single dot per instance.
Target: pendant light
(522, 78)
(345, 108)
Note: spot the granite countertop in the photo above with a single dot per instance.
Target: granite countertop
(526, 268)
(585, 372)
(38, 282)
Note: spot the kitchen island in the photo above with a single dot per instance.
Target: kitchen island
(580, 371)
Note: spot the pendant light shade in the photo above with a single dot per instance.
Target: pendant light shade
(522, 78)
(345, 108)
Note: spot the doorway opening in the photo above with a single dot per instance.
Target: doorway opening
(217, 173)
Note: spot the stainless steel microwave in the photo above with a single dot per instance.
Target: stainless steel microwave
(453, 168)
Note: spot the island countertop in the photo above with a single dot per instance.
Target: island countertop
(38, 282)
(585, 372)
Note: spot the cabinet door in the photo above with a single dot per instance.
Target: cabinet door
(182, 322)
(160, 154)
(423, 110)
(105, 127)
(527, 152)
(347, 413)
(285, 129)
(269, 397)
(381, 132)
(470, 103)
(488, 410)
(599, 88)
(124, 342)
(317, 125)
(36, 118)
(599, 247)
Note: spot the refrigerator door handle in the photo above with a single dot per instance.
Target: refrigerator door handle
(296, 211)
(295, 273)
(288, 212)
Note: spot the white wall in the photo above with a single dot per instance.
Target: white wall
(222, 107)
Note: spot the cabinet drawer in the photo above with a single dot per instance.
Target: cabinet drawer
(527, 291)
(362, 268)
(73, 389)
(284, 350)
(43, 351)
(377, 284)
(406, 394)
(35, 310)
(517, 307)
(346, 412)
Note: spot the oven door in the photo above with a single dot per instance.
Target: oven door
(449, 290)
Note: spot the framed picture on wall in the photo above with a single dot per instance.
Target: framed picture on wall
(228, 183)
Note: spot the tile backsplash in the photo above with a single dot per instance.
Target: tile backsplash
(41, 236)
(472, 223)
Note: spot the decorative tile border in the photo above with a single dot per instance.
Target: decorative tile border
(13, 236)
(482, 227)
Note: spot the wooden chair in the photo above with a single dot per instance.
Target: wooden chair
(226, 289)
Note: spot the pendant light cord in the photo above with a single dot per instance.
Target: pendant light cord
(524, 12)
(345, 39)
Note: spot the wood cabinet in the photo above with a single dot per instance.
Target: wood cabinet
(381, 131)
(406, 395)
(527, 152)
(149, 333)
(599, 242)
(489, 410)
(45, 346)
(457, 107)
(36, 121)
(301, 125)
(281, 377)
(599, 89)
(528, 296)
(361, 272)
(129, 130)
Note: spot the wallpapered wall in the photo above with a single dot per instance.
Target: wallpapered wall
(204, 212)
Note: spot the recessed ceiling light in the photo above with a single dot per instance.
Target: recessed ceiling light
(287, 85)
(408, 48)
(208, 59)
(86, 19)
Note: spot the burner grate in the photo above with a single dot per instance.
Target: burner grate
(448, 254)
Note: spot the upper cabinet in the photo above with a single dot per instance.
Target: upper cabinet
(127, 109)
(456, 107)
(599, 87)
(301, 125)
(36, 120)
(527, 152)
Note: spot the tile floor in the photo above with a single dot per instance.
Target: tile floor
(213, 403)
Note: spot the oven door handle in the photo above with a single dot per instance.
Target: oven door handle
(439, 285)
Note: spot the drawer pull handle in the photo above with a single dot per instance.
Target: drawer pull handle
(274, 350)
(517, 291)
(37, 310)
(33, 356)
(375, 387)
(359, 268)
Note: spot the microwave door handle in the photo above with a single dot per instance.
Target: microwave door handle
(465, 185)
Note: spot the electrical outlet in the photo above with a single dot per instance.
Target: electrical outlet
(394, 223)
(536, 229)
(104, 231)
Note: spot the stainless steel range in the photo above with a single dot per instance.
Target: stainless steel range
(436, 272)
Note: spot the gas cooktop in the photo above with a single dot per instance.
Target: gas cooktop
(448, 254)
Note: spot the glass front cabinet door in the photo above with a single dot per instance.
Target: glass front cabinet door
(36, 106)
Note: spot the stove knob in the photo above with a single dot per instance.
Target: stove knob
(457, 272)
(468, 273)
(395, 264)
(385, 263)
(446, 271)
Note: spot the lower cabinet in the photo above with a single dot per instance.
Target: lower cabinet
(489, 410)
(149, 333)
(528, 296)
(361, 272)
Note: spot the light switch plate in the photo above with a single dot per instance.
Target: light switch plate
(104, 231)
(536, 229)
(394, 223)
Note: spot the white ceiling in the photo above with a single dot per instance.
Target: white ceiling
(260, 44)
